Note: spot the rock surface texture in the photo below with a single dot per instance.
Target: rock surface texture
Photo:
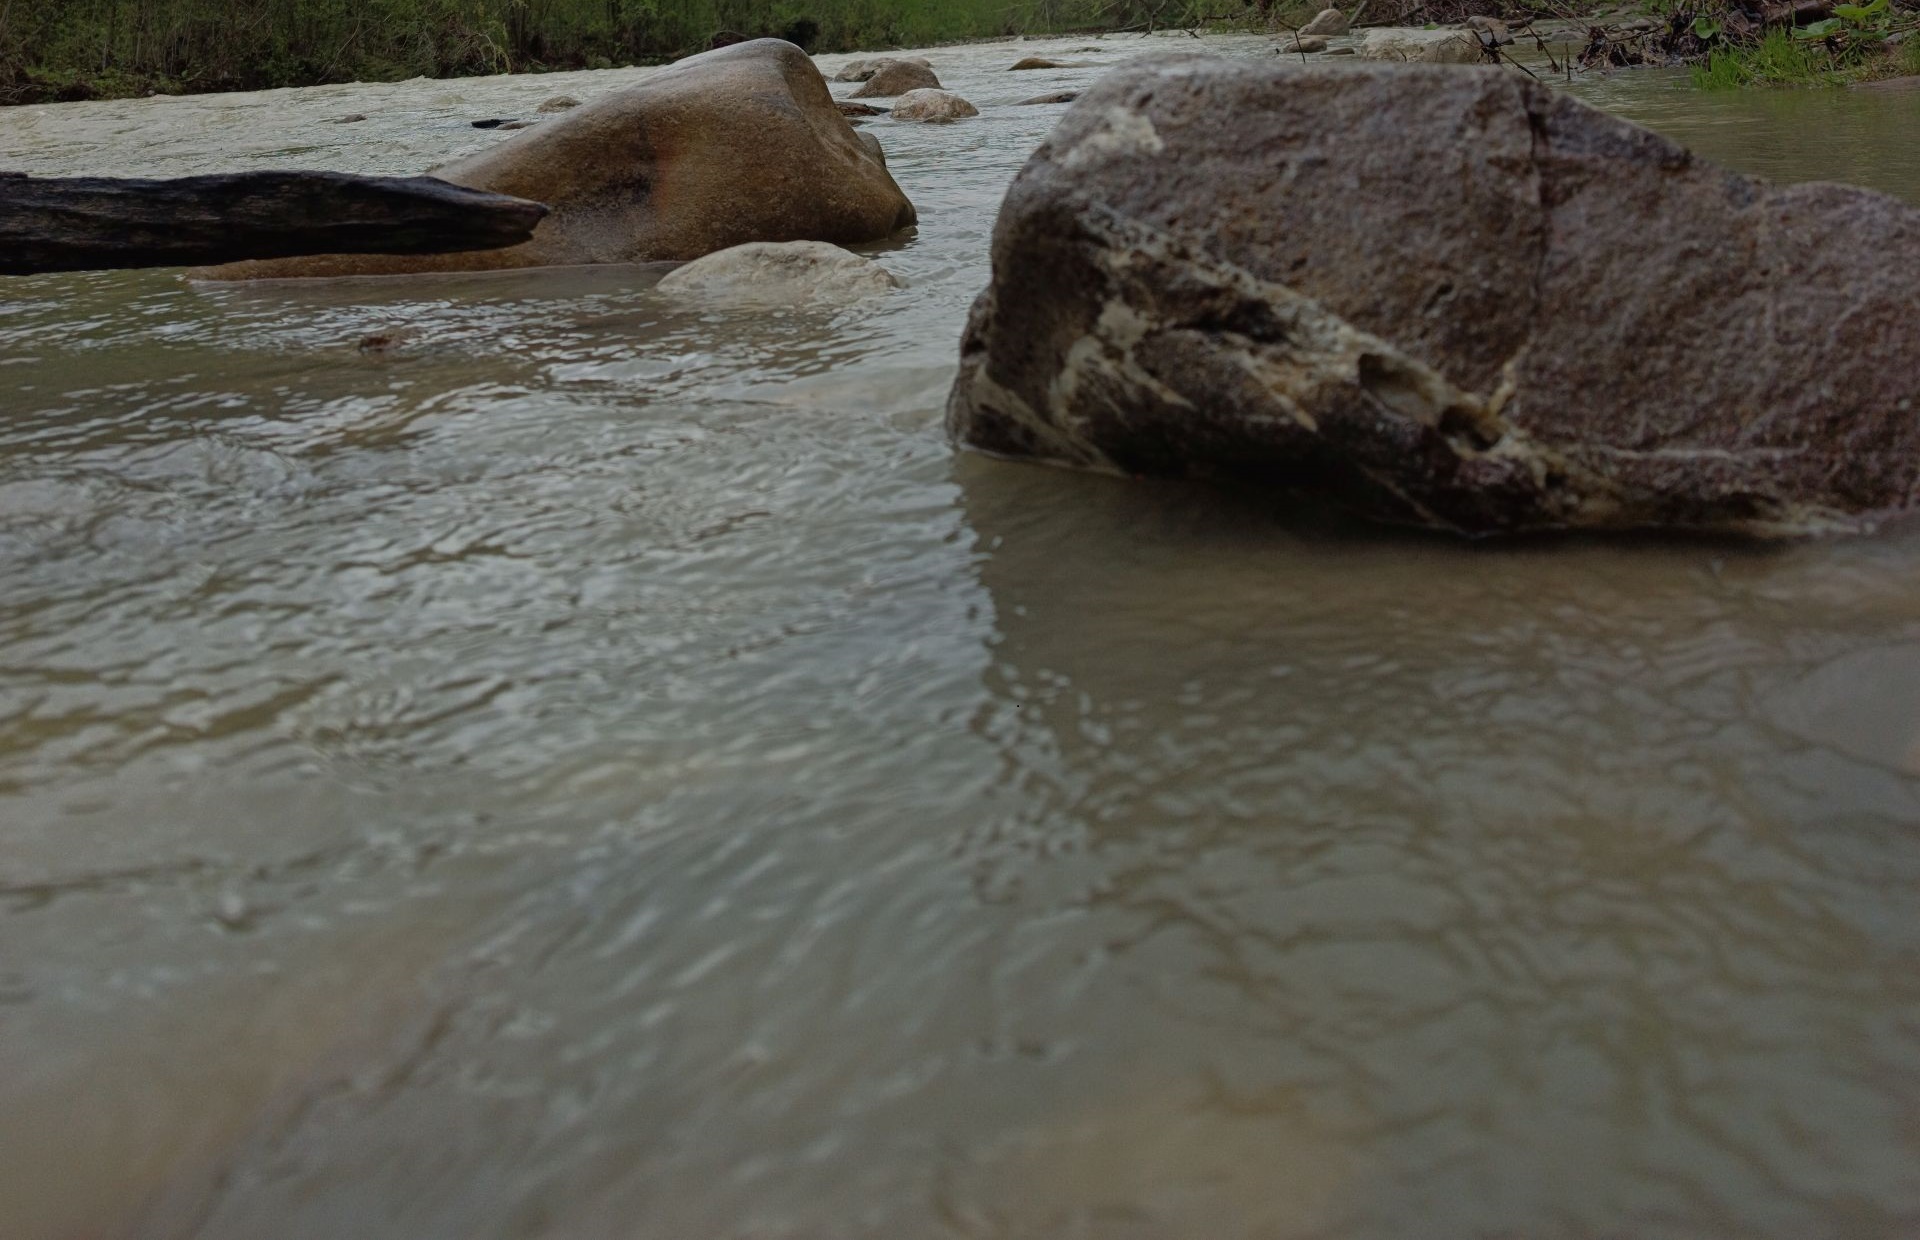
(1478, 306)
(1427, 47)
(735, 145)
(780, 273)
(932, 105)
(897, 77)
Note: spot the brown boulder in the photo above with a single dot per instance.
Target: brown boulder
(932, 105)
(1487, 307)
(730, 146)
(862, 69)
(1330, 22)
(1037, 62)
(897, 77)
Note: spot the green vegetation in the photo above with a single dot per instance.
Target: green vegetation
(83, 49)
(1778, 59)
(76, 49)
(1858, 41)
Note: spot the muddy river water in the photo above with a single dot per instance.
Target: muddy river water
(604, 769)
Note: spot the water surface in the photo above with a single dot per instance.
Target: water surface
(597, 767)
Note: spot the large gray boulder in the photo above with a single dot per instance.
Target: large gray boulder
(1444, 297)
(730, 146)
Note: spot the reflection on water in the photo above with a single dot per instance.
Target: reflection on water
(588, 767)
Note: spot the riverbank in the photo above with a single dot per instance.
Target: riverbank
(70, 50)
(65, 50)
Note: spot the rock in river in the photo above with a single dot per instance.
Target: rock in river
(1432, 47)
(782, 273)
(1331, 22)
(861, 70)
(735, 145)
(932, 105)
(1491, 31)
(1486, 307)
(897, 77)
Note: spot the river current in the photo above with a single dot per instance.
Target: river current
(512, 756)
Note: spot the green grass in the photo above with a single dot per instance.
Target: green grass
(53, 49)
(1725, 69)
(1777, 60)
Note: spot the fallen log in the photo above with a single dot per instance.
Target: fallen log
(96, 223)
(1796, 12)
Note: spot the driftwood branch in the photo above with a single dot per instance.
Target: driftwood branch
(91, 223)
(1796, 12)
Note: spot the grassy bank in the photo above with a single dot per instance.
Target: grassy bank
(80, 49)
(1833, 44)
(1780, 59)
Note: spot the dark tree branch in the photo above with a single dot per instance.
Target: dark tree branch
(95, 223)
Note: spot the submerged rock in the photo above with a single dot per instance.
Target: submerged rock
(559, 103)
(1058, 96)
(1432, 47)
(1330, 22)
(1037, 62)
(1304, 44)
(1488, 308)
(780, 272)
(932, 105)
(849, 108)
(741, 144)
(897, 77)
